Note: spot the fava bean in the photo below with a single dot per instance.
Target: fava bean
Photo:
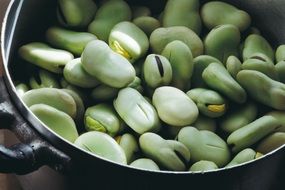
(103, 118)
(204, 145)
(157, 71)
(163, 36)
(181, 60)
(145, 163)
(107, 66)
(218, 13)
(101, 145)
(69, 40)
(203, 165)
(74, 13)
(45, 57)
(174, 107)
(108, 15)
(137, 112)
(56, 120)
(183, 13)
(170, 154)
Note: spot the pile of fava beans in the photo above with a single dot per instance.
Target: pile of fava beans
(153, 92)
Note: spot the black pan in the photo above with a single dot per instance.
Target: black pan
(26, 21)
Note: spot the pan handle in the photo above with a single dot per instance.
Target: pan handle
(32, 152)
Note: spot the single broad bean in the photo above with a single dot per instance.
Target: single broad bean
(129, 41)
(181, 60)
(218, 13)
(260, 62)
(157, 71)
(108, 15)
(75, 74)
(145, 163)
(107, 66)
(280, 69)
(103, 118)
(205, 123)
(280, 53)
(217, 77)
(245, 155)
(74, 13)
(262, 88)
(174, 107)
(136, 111)
(21, 89)
(102, 145)
(53, 97)
(163, 36)
(233, 65)
(200, 64)
(43, 79)
(209, 102)
(205, 145)
(203, 165)
(58, 121)
(255, 43)
(183, 13)
(147, 24)
(240, 117)
(271, 142)
(250, 134)
(169, 154)
(130, 145)
(69, 40)
(223, 41)
(45, 57)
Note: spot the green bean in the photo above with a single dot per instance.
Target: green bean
(130, 146)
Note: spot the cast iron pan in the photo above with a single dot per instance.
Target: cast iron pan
(26, 21)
